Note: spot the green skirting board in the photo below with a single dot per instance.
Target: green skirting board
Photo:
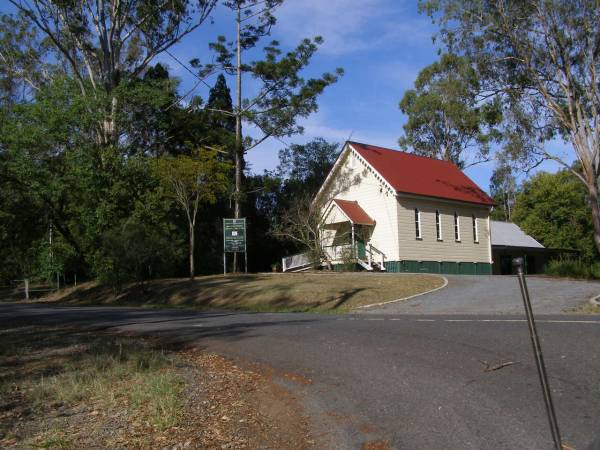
(442, 267)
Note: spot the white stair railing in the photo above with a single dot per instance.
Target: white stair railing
(336, 253)
(295, 262)
(373, 250)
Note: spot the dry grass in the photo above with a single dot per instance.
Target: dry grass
(70, 388)
(49, 370)
(320, 292)
(586, 308)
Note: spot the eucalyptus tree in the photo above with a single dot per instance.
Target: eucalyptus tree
(542, 60)
(101, 42)
(447, 117)
(283, 96)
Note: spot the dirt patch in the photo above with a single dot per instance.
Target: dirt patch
(264, 414)
(259, 292)
(132, 393)
(585, 308)
(376, 445)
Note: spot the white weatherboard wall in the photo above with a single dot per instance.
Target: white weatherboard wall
(372, 194)
(428, 248)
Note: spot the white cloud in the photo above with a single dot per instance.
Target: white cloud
(348, 28)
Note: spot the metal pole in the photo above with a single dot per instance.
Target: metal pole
(224, 263)
(539, 358)
(26, 288)
(246, 259)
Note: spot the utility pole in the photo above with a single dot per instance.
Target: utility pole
(239, 151)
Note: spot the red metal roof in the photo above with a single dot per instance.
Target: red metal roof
(412, 174)
(354, 212)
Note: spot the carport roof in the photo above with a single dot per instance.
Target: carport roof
(508, 234)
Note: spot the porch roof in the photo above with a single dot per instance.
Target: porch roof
(354, 212)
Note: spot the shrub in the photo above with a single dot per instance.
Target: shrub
(573, 268)
(133, 252)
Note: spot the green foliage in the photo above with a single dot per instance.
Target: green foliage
(95, 144)
(554, 209)
(540, 61)
(503, 189)
(446, 118)
(304, 167)
(191, 180)
(54, 173)
(133, 252)
(282, 95)
(23, 51)
(573, 268)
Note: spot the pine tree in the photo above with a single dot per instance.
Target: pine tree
(219, 99)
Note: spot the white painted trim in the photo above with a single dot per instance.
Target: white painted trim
(406, 298)
(368, 164)
(456, 222)
(439, 228)
(490, 238)
(333, 170)
(329, 208)
(349, 149)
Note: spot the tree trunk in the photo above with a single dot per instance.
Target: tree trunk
(239, 151)
(192, 269)
(593, 192)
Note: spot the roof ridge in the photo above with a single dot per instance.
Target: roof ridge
(404, 152)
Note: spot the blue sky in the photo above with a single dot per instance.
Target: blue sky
(381, 44)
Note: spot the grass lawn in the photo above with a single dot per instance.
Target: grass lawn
(320, 292)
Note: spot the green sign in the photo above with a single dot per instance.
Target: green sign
(234, 235)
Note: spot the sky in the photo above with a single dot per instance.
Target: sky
(381, 45)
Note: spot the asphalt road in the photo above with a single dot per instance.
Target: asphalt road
(496, 294)
(416, 381)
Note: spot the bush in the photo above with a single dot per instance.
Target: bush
(573, 268)
(133, 252)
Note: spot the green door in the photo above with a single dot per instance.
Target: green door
(360, 249)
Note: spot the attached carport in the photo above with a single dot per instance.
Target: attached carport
(510, 241)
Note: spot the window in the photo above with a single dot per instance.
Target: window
(475, 230)
(418, 223)
(438, 225)
(456, 228)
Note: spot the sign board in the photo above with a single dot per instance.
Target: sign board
(234, 235)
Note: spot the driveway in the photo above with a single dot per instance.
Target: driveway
(496, 295)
